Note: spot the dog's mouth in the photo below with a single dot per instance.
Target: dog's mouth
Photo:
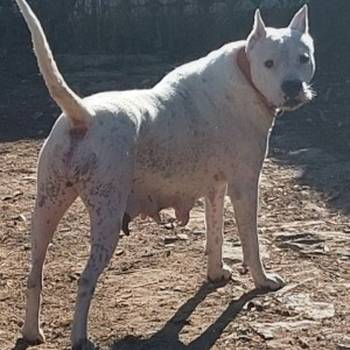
(305, 96)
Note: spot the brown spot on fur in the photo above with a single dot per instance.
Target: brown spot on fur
(77, 132)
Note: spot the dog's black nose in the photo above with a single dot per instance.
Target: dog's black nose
(292, 88)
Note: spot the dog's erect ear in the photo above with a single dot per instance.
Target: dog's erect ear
(300, 21)
(259, 29)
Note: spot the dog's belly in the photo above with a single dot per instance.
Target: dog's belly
(174, 179)
(150, 195)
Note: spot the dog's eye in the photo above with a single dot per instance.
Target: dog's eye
(269, 64)
(304, 58)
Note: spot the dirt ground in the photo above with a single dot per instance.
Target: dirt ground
(154, 295)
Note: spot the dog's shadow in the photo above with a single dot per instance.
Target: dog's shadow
(168, 336)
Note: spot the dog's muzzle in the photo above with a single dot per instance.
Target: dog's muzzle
(296, 94)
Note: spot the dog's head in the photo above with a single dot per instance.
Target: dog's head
(282, 61)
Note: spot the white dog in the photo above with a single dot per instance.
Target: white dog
(202, 131)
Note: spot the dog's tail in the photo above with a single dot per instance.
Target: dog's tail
(70, 103)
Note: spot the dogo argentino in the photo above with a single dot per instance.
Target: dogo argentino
(202, 131)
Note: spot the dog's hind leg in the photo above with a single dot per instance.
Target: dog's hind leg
(214, 210)
(53, 199)
(106, 208)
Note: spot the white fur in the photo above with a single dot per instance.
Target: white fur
(69, 102)
(284, 46)
(202, 131)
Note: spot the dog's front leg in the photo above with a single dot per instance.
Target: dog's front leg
(243, 192)
(214, 210)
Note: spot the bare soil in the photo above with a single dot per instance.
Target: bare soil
(154, 294)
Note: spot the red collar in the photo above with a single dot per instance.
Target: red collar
(244, 66)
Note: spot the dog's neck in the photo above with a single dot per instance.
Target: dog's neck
(244, 66)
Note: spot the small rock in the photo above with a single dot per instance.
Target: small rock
(306, 243)
(74, 276)
(148, 254)
(183, 237)
(65, 322)
(253, 305)
(14, 195)
(344, 253)
(169, 240)
(278, 344)
(343, 346)
(119, 252)
(198, 233)
(269, 330)
(303, 304)
(20, 217)
(169, 225)
(304, 237)
(178, 289)
(303, 343)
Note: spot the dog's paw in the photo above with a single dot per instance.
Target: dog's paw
(33, 338)
(272, 282)
(222, 274)
(23, 344)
